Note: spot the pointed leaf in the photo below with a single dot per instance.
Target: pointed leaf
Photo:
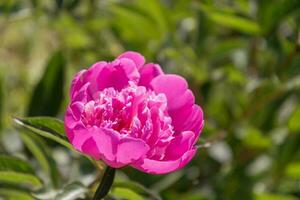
(46, 130)
(48, 94)
(39, 149)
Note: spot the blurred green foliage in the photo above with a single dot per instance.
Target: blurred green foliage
(242, 61)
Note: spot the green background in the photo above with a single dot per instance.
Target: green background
(241, 59)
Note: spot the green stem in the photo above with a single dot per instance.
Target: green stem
(106, 183)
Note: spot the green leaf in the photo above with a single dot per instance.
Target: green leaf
(40, 151)
(293, 123)
(1, 102)
(254, 138)
(293, 170)
(268, 196)
(20, 178)
(14, 194)
(271, 14)
(48, 124)
(138, 188)
(17, 171)
(9, 163)
(72, 191)
(125, 193)
(231, 20)
(48, 93)
(49, 130)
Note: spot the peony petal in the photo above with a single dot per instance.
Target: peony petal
(179, 145)
(176, 90)
(165, 166)
(118, 74)
(89, 147)
(137, 58)
(116, 151)
(72, 118)
(190, 118)
(130, 150)
(148, 72)
(186, 116)
(196, 122)
(77, 82)
(80, 137)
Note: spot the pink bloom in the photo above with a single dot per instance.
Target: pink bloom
(126, 112)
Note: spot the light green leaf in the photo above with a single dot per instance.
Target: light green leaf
(138, 188)
(268, 196)
(12, 177)
(1, 102)
(126, 193)
(293, 170)
(294, 121)
(14, 194)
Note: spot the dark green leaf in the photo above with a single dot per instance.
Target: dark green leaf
(9, 163)
(272, 14)
(48, 93)
(48, 124)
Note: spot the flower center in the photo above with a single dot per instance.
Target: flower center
(133, 111)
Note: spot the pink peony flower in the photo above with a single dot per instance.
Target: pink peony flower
(126, 112)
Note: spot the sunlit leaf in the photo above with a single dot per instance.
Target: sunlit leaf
(20, 178)
(14, 194)
(294, 122)
(126, 193)
(268, 196)
(293, 170)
